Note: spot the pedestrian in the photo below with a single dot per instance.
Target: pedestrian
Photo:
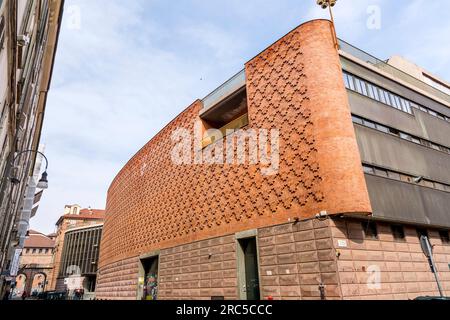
(7, 294)
(24, 295)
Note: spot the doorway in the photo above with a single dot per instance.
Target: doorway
(248, 269)
(150, 285)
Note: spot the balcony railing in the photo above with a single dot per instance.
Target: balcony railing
(380, 64)
(228, 88)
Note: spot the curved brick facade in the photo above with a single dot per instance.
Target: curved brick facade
(294, 86)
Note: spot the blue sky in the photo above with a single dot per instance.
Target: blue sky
(124, 69)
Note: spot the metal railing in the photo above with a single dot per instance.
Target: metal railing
(383, 65)
(228, 88)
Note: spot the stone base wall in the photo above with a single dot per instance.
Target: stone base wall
(295, 259)
(404, 269)
(199, 270)
(118, 281)
(308, 260)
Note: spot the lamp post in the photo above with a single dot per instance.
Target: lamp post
(43, 182)
(329, 4)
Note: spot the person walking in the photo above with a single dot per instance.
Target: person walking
(7, 294)
(24, 295)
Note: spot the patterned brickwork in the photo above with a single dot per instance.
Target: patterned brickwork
(295, 259)
(405, 273)
(199, 270)
(154, 204)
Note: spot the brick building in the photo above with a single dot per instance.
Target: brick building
(36, 264)
(362, 174)
(76, 246)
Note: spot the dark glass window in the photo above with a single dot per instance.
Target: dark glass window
(398, 232)
(422, 232)
(445, 238)
(370, 229)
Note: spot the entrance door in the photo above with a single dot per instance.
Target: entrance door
(250, 268)
(150, 288)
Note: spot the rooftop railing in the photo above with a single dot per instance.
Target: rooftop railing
(225, 90)
(380, 64)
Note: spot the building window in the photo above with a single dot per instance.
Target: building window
(445, 238)
(400, 134)
(368, 169)
(370, 229)
(374, 92)
(422, 232)
(398, 232)
(225, 118)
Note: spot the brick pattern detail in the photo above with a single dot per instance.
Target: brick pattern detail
(118, 281)
(199, 270)
(405, 273)
(295, 259)
(154, 204)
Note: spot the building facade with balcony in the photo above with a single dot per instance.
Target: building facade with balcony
(29, 31)
(314, 173)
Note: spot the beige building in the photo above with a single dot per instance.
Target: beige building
(36, 264)
(29, 32)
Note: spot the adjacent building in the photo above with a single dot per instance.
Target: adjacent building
(36, 264)
(77, 245)
(363, 150)
(29, 32)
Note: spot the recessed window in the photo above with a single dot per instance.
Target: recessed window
(415, 140)
(405, 136)
(382, 128)
(370, 229)
(368, 169)
(226, 117)
(422, 232)
(398, 232)
(381, 172)
(394, 131)
(444, 235)
(346, 81)
(357, 120)
(369, 124)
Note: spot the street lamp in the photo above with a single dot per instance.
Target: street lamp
(329, 4)
(43, 182)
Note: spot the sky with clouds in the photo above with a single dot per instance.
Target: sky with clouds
(124, 69)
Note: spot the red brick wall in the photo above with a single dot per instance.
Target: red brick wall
(294, 86)
(405, 273)
(118, 281)
(295, 259)
(189, 272)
